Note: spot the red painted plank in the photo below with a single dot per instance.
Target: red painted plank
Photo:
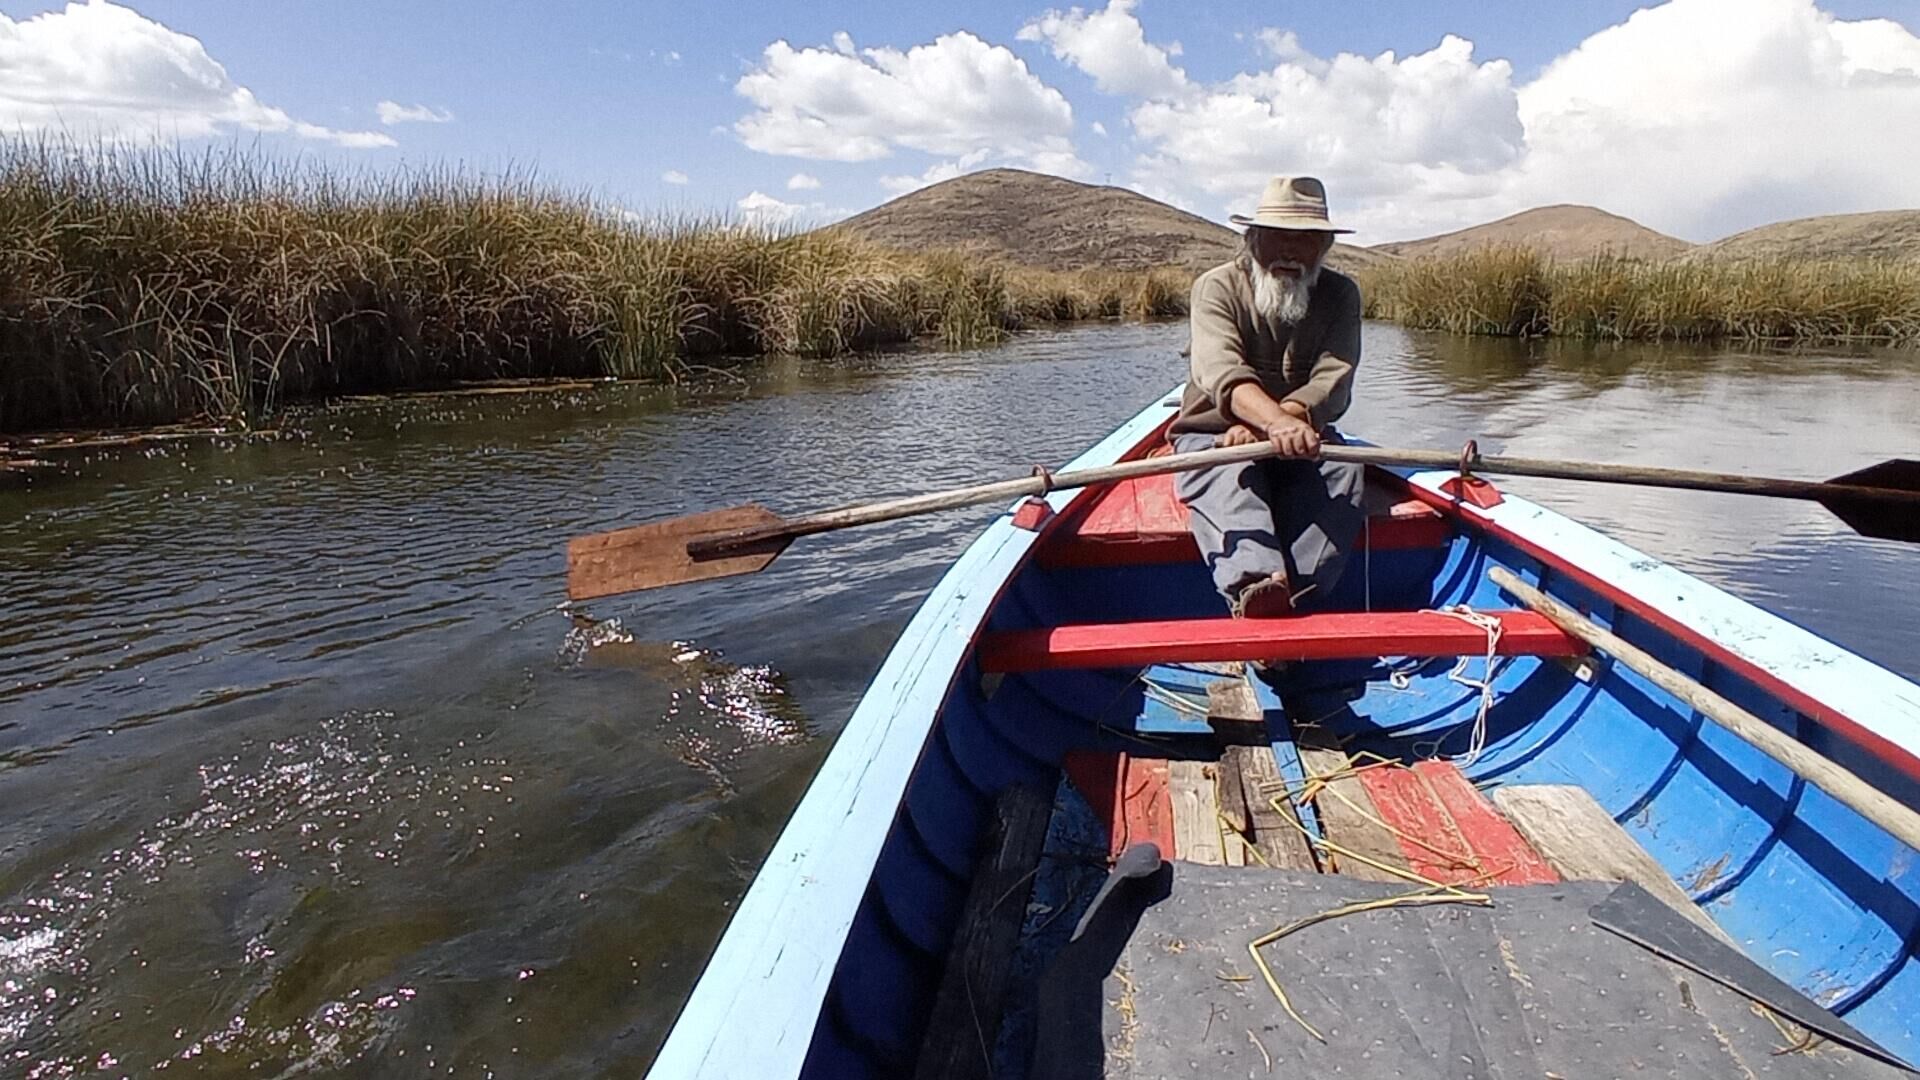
(1331, 636)
(1130, 794)
(1145, 810)
(1410, 808)
(1494, 839)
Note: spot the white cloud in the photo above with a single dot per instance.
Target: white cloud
(955, 96)
(674, 176)
(939, 171)
(99, 69)
(1696, 117)
(763, 211)
(1110, 46)
(1703, 117)
(803, 182)
(392, 112)
(1100, 129)
(843, 43)
(1438, 123)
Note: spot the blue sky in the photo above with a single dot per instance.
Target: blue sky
(1698, 117)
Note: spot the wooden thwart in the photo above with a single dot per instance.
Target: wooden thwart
(1329, 636)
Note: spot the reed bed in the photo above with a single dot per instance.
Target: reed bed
(141, 287)
(144, 287)
(1516, 292)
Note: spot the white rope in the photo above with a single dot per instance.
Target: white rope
(1491, 626)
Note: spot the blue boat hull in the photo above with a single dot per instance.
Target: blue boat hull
(830, 967)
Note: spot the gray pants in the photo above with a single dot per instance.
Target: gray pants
(1260, 518)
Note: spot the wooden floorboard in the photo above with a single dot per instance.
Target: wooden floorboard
(1495, 843)
(1272, 829)
(1581, 841)
(980, 960)
(1349, 818)
(1196, 812)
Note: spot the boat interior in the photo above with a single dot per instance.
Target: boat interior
(1414, 733)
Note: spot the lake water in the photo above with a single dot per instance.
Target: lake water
(304, 766)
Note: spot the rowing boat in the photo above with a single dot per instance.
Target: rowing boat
(1428, 733)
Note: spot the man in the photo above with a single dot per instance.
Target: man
(1275, 339)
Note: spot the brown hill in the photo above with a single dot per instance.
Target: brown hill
(1057, 224)
(1882, 234)
(1563, 232)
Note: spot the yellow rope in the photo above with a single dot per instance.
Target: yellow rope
(1447, 894)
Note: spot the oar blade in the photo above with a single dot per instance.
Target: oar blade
(1882, 519)
(650, 556)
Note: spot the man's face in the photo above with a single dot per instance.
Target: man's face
(1288, 253)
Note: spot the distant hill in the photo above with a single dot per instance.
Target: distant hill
(1882, 234)
(1057, 224)
(1563, 232)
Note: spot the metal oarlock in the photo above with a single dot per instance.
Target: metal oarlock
(1468, 488)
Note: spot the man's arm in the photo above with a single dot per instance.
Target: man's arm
(1286, 422)
(1294, 422)
(1218, 363)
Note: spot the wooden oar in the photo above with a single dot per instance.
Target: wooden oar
(1900, 822)
(1882, 502)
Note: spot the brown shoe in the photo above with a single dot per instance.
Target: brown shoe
(1269, 598)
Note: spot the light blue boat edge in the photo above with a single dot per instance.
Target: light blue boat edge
(754, 1009)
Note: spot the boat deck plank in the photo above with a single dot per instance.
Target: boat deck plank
(1272, 826)
(1497, 846)
(1350, 819)
(1196, 813)
(1581, 841)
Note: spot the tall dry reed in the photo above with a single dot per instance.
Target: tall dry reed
(143, 286)
(1520, 292)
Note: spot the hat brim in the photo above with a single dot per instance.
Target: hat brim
(1290, 224)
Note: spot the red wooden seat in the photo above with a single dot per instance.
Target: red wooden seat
(1142, 522)
(1330, 636)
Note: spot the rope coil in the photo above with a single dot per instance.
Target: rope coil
(1492, 627)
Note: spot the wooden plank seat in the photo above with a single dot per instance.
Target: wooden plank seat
(1328, 636)
(1142, 522)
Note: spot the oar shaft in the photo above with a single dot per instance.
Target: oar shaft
(1003, 490)
(1900, 821)
(999, 491)
(1644, 475)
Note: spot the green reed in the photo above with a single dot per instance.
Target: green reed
(141, 286)
(1512, 291)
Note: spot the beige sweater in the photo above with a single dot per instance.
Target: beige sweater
(1310, 362)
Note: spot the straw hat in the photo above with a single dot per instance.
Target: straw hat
(1292, 202)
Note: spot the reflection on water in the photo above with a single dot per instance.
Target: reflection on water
(305, 767)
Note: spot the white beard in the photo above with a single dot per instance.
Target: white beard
(1283, 298)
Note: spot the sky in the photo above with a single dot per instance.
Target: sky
(1695, 117)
